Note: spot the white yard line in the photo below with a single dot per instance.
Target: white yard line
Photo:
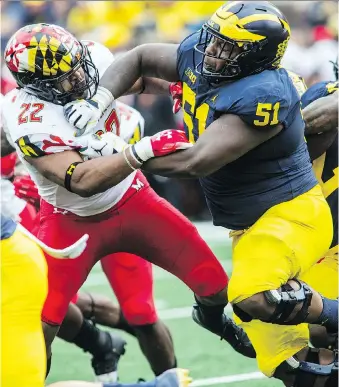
(228, 379)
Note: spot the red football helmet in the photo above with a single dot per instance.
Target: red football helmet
(51, 63)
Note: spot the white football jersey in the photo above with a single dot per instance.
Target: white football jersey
(10, 205)
(132, 123)
(38, 128)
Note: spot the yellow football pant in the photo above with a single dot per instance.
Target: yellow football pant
(23, 292)
(283, 244)
(323, 277)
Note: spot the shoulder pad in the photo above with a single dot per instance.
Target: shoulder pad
(267, 100)
(298, 82)
(100, 54)
(318, 90)
(26, 114)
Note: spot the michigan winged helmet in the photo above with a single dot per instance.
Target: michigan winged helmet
(51, 63)
(252, 37)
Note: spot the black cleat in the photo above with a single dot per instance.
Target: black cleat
(105, 366)
(227, 330)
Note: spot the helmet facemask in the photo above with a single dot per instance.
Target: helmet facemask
(234, 53)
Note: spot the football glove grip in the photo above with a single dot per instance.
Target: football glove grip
(84, 114)
(175, 90)
(107, 144)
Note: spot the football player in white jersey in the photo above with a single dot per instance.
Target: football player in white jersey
(16, 202)
(106, 197)
(19, 201)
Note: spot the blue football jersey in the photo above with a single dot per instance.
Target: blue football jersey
(326, 166)
(276, 171)
(318, 90)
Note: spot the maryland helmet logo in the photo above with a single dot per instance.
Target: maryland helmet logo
(44, 49)
(14, 55)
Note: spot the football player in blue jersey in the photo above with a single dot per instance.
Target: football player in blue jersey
(320, 111)
(242, 113)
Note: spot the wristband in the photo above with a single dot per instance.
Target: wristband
(135, 155)
(127, 161)
(68, 175)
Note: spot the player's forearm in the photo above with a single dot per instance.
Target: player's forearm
(98, 175)
(182, 164)
(146, 85)
(155, 86)
(225, 140)
(321, 115)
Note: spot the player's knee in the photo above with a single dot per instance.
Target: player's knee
(287, 305)
(215, 299)
(85, 302)
(139, 312)
(291, 303)
(247, 304)
(207, 279)
(254, 307)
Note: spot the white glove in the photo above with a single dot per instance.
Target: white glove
(84, 114)
(94, 146)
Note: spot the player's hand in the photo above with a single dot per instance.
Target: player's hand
(175, 89)
(161, 144)
(26, 189)
(107, 144)
(84, 114)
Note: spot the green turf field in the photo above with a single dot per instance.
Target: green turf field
(212, 362)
